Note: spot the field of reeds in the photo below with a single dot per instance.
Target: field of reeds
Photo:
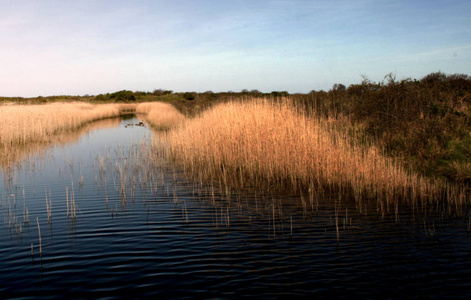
(408, 139)
(161, 115)
(275, 145)
(24, 125)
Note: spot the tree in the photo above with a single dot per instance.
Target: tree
(279, 94)
(189, 96)
(255, 93)
(339, 87)
(122, 96)
(161, 92)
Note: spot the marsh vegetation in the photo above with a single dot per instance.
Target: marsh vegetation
(246, 191)
(24, 128)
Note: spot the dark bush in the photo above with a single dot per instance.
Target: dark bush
(122, 96)
(189, 96)
(161, 92)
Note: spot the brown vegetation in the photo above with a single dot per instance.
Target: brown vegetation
(161, 115)
(277, 146)
(25, 127)
(393, 139)
(426, 123)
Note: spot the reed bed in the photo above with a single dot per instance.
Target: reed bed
(23, 125)
(20, 124)
(274, 145)
(161, 115)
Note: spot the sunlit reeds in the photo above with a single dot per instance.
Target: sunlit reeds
(273, 145)
(71, 205)
(23, 125)
(161, 115)
(20, 124)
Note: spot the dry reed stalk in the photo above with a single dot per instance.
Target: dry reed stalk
(259, 142)
(161, 115)
(127, 108)
(73, 205)
(25, 209)
(337, 225)
(39, 234)
(48, 206)
(67, 199)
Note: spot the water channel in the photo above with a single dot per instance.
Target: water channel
(103, 215)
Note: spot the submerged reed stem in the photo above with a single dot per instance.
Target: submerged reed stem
(39, 234)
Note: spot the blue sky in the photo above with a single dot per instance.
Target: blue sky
(90, 47)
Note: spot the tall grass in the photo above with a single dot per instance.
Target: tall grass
(274, 145)
(23, 125)
(20, 124)
(161, 115)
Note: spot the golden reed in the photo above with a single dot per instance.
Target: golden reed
(24, 125)
(274, 145)
(161, 115)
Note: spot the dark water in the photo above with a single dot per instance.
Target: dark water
(141, 230)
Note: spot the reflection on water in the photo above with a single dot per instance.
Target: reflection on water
(17, 153)
(116, 218)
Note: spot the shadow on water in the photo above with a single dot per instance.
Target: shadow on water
(102, 213)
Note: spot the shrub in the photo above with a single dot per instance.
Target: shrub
(122, 96)
(189, 96)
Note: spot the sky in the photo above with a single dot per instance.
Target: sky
(80, 47)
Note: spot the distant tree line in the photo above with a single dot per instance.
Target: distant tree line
(163, 95)
(120, 96)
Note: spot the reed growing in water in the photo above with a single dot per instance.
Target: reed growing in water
(24, 125)
(274, 145)
(161, 115)
(20, 124)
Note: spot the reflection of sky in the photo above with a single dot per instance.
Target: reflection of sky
(57, 168)
(91, 47)
(98, 142)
